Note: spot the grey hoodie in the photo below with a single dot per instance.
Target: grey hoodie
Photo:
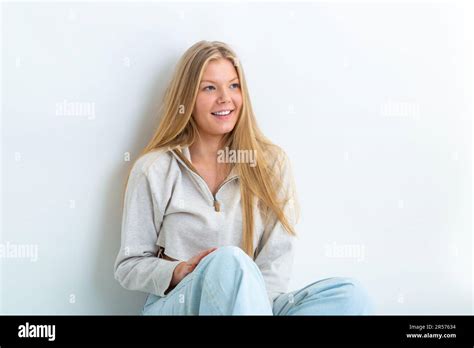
(169, 208)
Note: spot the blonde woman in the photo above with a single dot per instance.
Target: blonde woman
(210, 206)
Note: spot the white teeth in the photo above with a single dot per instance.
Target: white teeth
(222, 113)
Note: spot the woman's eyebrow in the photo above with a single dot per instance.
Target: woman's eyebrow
(235, 78)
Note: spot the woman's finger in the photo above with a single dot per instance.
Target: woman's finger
(207, 252)
(201, 255)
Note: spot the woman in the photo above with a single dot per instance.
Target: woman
(210, 206)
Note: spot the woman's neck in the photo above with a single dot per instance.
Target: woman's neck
(205, 149)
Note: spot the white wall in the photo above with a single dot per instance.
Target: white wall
(371, 101)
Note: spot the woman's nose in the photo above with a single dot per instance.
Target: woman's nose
(223, 98)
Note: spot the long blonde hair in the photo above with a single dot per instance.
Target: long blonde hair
(177, 128)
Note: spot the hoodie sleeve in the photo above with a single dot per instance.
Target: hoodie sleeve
(136, 266)
(275, 252)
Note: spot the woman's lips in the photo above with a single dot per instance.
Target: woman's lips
(223, 117)
(222, 112)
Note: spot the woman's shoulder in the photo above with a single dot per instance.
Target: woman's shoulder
(152, 162)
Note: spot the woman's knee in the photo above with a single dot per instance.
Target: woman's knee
(231, 275)
(357, 298)
(227, 264)
(228, 256)
(351, 295)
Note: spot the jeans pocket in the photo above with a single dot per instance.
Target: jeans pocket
(150, 300)
(180, 285)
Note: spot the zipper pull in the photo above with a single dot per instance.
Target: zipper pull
(217, 205)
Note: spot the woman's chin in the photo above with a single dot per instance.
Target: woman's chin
(220, 130)
(225, 131)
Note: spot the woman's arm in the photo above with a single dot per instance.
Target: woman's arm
(136, 266)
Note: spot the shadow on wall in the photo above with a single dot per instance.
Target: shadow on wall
(113, 299)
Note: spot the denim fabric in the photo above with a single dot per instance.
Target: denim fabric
(228, 282)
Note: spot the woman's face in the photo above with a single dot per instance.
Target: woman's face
(219, 98)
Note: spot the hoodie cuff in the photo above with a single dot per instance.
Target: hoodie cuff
(164, 274)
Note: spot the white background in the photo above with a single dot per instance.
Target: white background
(371, 101)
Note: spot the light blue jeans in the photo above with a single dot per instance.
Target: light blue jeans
(228, 282)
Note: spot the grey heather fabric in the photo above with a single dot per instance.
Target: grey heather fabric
(169, 207)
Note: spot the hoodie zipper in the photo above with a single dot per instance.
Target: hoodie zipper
(190, 167)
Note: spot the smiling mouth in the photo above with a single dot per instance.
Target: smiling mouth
(223, 112)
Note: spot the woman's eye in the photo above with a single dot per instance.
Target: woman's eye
(210, 88)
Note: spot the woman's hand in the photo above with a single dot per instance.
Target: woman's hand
(186, 267)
